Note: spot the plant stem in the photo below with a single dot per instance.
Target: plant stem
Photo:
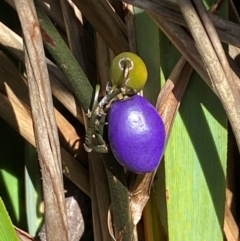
(65, 60)
(119, 196)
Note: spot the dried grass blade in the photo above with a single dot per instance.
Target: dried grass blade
(53, 9)
(103, 62)
(106, 23)
(44, 122)
(233, 12)
(23, 236)
(230, 227)
(16, 112)
(172, 92)
(73, 33)
(101, 197)
(186, 46)
(12, 111)
(212, 53)
(97, 229)
(183, 42)
(14, 44)
(229, 32)
(130, 26)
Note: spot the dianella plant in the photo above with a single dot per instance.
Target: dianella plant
(119, 120)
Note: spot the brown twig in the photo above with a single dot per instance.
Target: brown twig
(44, 123)
(228, 31)
(215, 60)
(23, 236)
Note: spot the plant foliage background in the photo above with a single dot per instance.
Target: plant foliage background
(52, 55)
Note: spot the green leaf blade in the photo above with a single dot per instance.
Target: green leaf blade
(195, 167)
(7, 231)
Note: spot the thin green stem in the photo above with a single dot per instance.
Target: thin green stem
(65, 60)
(98, 111)
(123, 228)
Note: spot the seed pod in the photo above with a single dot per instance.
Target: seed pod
(136, 134)
(136, 75)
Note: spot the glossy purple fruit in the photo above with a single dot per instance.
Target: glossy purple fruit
(136, 134)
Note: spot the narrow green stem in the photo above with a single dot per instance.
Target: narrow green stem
(98, 111)
(65, 60)
(119, 196)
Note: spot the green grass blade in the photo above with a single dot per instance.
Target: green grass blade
(147, 32)
(7, 231)
(190, 183)
(201, 166)
(11, 174)
(33, 189)
(195, 166)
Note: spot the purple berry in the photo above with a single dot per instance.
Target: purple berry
(136, 134)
